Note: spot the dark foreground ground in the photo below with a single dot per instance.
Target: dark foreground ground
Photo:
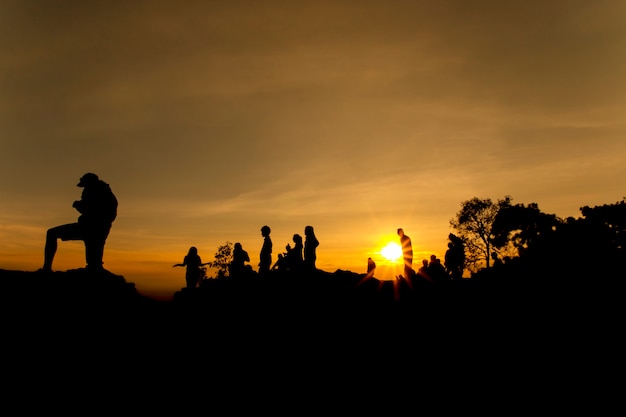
(321, 307)
(329, 332)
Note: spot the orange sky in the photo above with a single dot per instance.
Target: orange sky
(211, 119)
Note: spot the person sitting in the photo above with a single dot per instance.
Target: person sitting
(292, 260)
(238, 267)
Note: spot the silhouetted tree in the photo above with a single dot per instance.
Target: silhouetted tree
(609, 222)
(223, 258)
(564, 253)
(598, 236)
(519, 227)
(473, 224)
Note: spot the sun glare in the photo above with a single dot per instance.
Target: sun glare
(392, 252)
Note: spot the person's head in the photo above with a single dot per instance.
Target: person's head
(87, 179)
(297, 238)
(309, 231)
(238, 246)
(265, 230)
(193, 250)
(400, 232)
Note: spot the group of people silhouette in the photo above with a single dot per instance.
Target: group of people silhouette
(301, 257)
(98, 210)
(431, 270)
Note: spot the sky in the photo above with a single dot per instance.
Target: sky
(210, 119)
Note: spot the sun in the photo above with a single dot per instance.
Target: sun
(392, 252)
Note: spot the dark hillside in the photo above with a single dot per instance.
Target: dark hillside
(343, 301)
(331, 327)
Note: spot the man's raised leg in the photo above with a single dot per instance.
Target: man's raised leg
(70, 231)
(50, 249)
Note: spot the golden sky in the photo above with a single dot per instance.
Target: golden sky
(210, 119)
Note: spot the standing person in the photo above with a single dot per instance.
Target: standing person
(98, 210)
(266, 251)
(310, 246)
(407, 252)
(454, 259)
(193, 262)
(371, 267)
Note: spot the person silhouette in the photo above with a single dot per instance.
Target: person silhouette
(497, 262)
(454, 259)
(295, 254)
(436, 270)
(407, 252)
(423, 270)
(238, 265)
(371, 267)
(310, 246)
(266, 251)
(98, 210)
(282, 263)
(193, 262)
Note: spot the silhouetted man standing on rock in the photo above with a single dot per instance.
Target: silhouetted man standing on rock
(98, 210)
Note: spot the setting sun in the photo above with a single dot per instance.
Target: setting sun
(392, 252)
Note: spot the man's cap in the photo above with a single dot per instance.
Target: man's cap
(86, 179)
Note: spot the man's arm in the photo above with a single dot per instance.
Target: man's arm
(78, 205)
